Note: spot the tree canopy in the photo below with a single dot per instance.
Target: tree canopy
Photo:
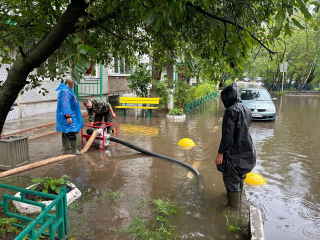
(205, 34)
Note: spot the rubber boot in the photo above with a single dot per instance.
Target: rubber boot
(65, 144)
(74, 149)
(234, 199)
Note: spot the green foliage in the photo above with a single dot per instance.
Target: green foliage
(204, 89)
(140, 80)
(162, 90)
(176, 111)
(164, 207)
(230, 227)
(80, 62)
(300, 50)
(50, 184)
(116, 196)
(181, 93)
(7, 227)
(158, 228)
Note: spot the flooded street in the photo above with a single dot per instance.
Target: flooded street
(116, 183)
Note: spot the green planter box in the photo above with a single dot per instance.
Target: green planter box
(14, 152)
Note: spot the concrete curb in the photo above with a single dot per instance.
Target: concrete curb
(256, 224)
(178, 118)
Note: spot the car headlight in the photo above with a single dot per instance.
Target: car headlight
(272, 109)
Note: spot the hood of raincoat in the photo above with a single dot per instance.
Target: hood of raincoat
(63, 86)
(230, 95)
(68, 104)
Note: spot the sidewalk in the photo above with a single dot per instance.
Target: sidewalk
(40, 125)
(33, 127)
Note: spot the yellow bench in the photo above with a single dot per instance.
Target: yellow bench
(137, 100)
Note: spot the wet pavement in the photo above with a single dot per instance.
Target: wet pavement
(286, 156)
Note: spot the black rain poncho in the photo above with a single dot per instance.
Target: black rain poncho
(236, 142)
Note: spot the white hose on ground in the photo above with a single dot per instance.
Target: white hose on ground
(90, 141)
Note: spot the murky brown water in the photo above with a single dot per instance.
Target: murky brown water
(287, 158)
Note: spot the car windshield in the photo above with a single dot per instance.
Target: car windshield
(255, 95)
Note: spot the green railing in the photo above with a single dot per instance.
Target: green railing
(92, 88)
(191, 106)
(57, 223)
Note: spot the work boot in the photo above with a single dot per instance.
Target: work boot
(74, 149)
(65, 144)
(234, 199)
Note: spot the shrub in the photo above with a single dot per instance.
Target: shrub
(200, 91)
(162, 90)
(204, 89)
(181, 93)
(176, 111)
(185, 93)
(140, 80)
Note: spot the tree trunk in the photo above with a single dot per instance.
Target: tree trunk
(17, 75)
(170, 71)
(156, 75)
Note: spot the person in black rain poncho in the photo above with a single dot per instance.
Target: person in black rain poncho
(236, 155)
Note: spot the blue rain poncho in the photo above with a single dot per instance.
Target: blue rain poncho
(68, 104)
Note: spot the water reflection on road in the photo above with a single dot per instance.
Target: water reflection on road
(287, 157)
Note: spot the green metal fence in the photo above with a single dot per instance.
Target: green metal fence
(57, 223)
(92, 88)
(200, 101)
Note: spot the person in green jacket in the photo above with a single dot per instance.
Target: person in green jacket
(102, 109)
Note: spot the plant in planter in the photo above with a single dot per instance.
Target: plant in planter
(176, 111)
(176, 114)
(50, 185)
(47, 185)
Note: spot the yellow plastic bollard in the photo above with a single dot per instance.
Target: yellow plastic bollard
(186, 143)
(254, 179)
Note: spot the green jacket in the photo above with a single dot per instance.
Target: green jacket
(99, 106)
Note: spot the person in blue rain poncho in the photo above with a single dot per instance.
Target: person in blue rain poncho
(69, 119)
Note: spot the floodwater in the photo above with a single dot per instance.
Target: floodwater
(287, 156)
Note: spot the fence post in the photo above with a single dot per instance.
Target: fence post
(101, 79)
(76, 92)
